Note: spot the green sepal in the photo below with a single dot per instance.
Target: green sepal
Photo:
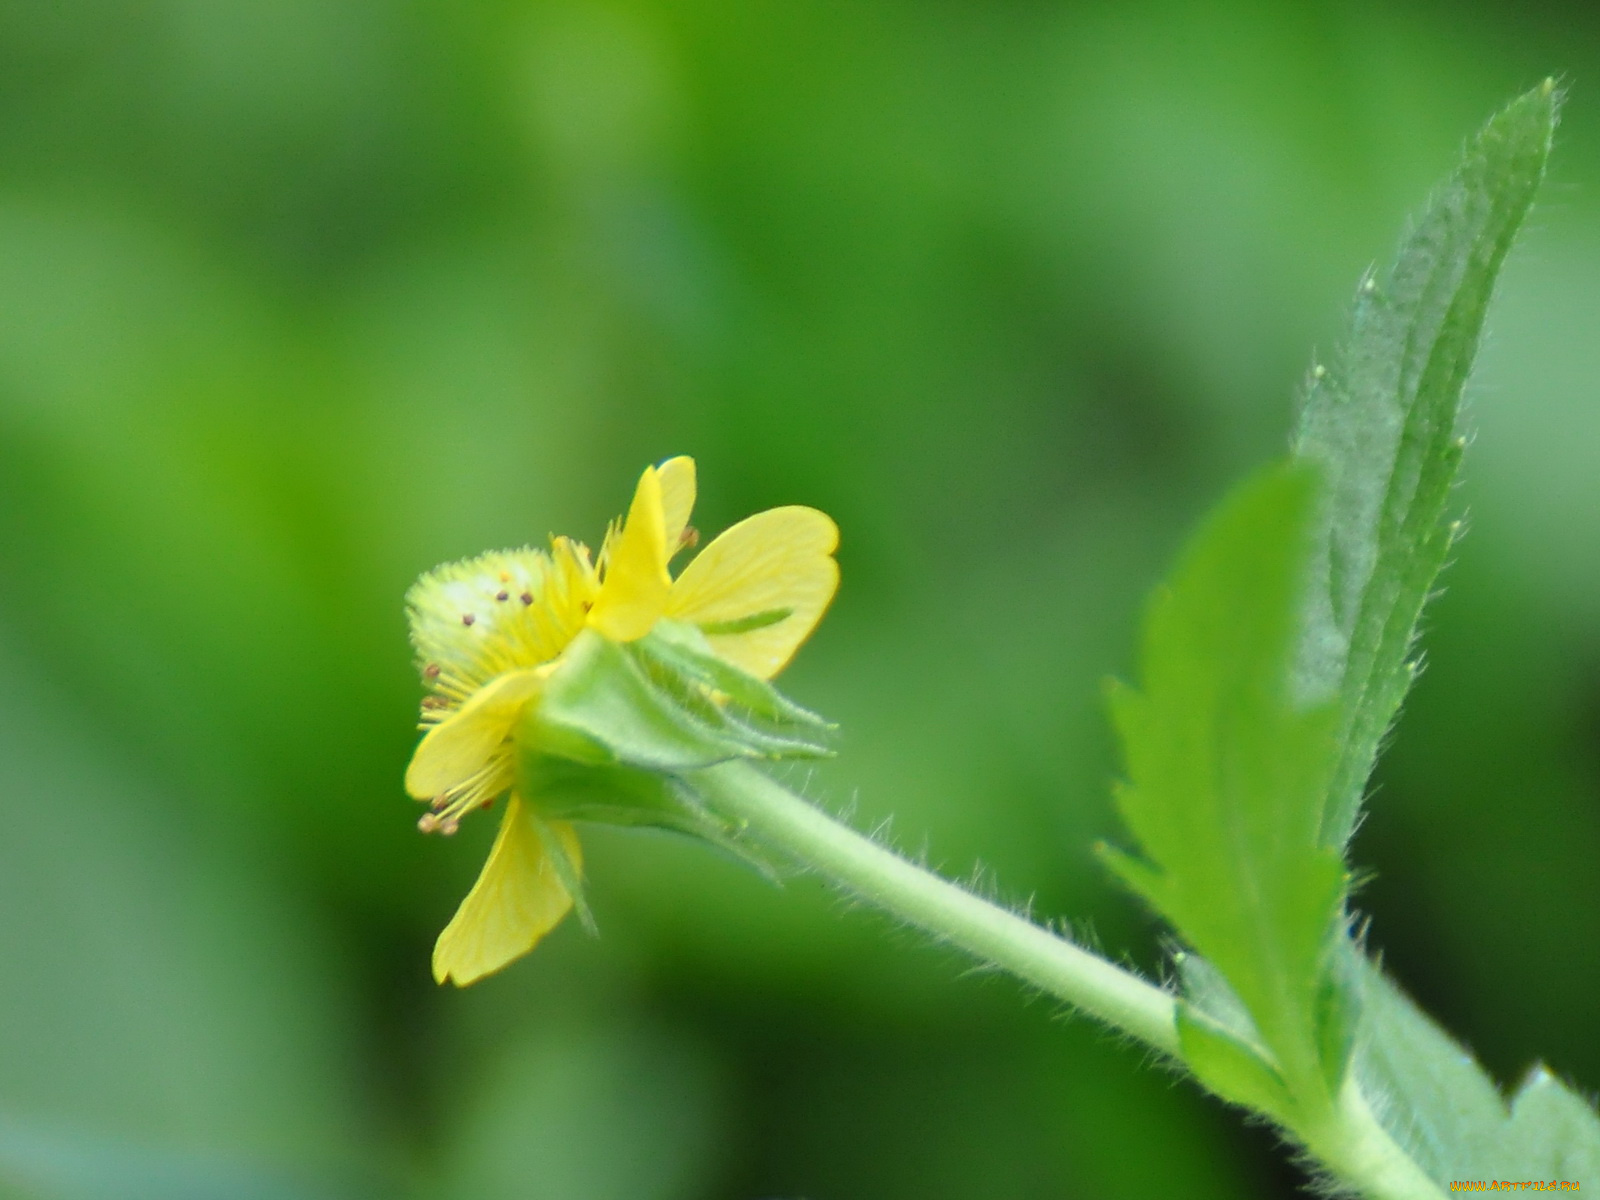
(615, 795)
(683, 650)
(619, 723)
(567, 871)
(606, 794)
(665, 703)
(600, 709)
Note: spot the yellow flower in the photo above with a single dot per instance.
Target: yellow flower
(491, 630)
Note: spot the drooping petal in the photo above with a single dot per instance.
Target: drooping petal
(677, 499)
(458, 747)
(633, 594)
(517, 900)
(760, 588)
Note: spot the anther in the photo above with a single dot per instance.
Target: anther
(435, 702)
(527, 598)
(467, 618)
(428, 823)
(690, 537)
(431, 671)
(448, 826)
(503, 596)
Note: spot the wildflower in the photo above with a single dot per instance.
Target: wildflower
(491, 631)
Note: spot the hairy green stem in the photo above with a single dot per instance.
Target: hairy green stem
(1355, 1147)
(1345, 1136)
(780, 819)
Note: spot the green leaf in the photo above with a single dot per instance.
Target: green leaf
(1237, 1070)
(1555, 1133)
(1382, 421)
(1227, 772)
(1447, 1114)
(1220, 1041)
(1338, 1018)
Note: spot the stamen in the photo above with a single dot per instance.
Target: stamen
(479, 790)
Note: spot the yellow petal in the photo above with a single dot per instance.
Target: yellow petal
(677, 499)
(633, 594)
(516, 901)
(458, 747)
(777, 560)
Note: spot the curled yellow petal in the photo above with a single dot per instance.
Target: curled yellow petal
(677, 499)
(760, 588)
(517, 900)
(633, 593)
(460, 746)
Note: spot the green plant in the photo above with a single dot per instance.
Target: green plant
(1274, 662)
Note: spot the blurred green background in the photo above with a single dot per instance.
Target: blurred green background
(300, 297)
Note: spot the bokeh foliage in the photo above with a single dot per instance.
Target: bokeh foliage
(298, 299)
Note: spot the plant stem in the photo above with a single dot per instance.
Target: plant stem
(1345, 1136)
(783, 821)
(1360, 1151)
